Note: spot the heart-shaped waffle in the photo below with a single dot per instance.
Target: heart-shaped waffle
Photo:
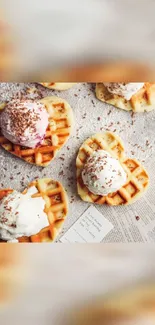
(137, 177)
(142, 101)
(57, 85)
(57, 133)
(56, 208)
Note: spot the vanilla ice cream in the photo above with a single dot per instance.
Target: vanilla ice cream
(21, 215)
(126, 90)
(24, 122)
(102, 174)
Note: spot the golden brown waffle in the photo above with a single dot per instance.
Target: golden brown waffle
(57, 85)
(56, 209)
(142, 101)
(58, 132)
(137, 177)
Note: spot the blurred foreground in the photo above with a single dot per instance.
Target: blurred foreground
(85, 40)
(78, 284)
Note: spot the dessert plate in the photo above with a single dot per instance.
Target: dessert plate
(57, 85)
(56, 208)
(137, 177)
(57, 133)
(142, 101)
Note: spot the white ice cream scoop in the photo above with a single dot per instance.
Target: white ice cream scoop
(126, 90)
(22, 215)
(24, 122)
(103, 174)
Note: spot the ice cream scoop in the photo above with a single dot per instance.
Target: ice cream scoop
(102, 174)
(126, 90)
(22, 215)
(24, 122)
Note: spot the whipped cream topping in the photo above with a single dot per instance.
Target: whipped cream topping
(21, 215)
(102, 174)
(126, 90)
(24, 122)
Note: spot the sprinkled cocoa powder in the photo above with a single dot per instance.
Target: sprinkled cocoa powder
(21, 119)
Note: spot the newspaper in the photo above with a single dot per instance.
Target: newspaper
(133, 223)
